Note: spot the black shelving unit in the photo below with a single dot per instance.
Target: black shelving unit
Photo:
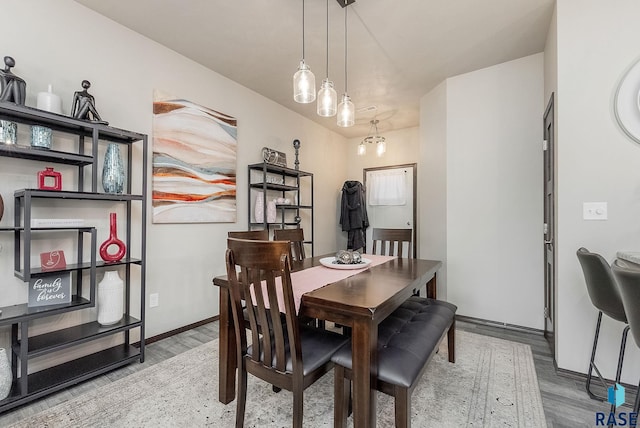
(261, 177)
(28, 386)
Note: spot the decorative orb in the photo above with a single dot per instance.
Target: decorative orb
(343, 257)
(356, 257)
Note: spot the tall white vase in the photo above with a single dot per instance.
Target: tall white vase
(258, 212)
(6, 377)
(110, 298)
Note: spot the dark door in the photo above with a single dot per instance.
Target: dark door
(549, 228)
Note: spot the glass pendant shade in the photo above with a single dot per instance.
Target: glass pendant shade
(304, 84)
(362, 149)
(381, 147)
(327, 99)
(346, 112)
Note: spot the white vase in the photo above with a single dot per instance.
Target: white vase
(6, 377)
(110, 298)
(258, 212)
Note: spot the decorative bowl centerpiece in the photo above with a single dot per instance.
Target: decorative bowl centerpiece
(346, 259)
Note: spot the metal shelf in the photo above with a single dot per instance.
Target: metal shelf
(22, 312)
(275, 169)
(24, 152)
(58, 194)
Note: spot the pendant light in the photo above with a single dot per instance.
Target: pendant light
(304, 82)
(346, 109)
(373, 137)
(327, 96)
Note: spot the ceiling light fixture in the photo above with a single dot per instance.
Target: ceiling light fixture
(373, 137)
(304, 82)
(327, 96)
(346, 109)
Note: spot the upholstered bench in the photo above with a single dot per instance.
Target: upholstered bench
(407, 339)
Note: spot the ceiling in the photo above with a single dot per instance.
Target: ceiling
(397, 51)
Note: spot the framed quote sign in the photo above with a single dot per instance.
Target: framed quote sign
(51, 289)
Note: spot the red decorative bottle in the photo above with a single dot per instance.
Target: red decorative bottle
(113, 240)
(49, 179)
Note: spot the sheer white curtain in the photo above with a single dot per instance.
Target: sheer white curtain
(388, 187)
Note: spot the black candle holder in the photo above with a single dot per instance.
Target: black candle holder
(296, 145)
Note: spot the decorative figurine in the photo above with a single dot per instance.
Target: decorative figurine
(83, 105)
(296, 145)
(12, 88)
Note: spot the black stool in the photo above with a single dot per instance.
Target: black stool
(628, 279)
(605, 296)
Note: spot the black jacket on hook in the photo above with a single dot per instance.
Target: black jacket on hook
(353, 214)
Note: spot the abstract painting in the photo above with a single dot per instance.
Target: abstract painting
(194, 163)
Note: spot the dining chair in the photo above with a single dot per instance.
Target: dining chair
(260, 235)
(296, 237)
(605, 296)
(390, 240)
(628, 281)
(290, 355)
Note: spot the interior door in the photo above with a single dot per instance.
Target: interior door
(389, 208)
(549, 227)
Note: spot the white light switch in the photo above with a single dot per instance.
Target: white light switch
(594, 210)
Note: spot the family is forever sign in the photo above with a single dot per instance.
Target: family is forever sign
(50, 289)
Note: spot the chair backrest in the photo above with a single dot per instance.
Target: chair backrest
(256, 235)
(296, 237)
(263, 268)
(601, 284)
(628, 280)
(391, 238)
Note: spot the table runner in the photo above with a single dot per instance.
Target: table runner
(318, 276)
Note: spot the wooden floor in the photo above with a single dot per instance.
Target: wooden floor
(565, 401)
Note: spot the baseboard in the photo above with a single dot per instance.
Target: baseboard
(179, 330)
(497, 324)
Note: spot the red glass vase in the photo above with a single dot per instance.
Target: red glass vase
(49, 179)
(113, 240)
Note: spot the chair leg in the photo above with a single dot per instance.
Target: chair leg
(623, 344)
(242, 396)
(341, 394)
(592, 364)
(636, 405)
(298, 400)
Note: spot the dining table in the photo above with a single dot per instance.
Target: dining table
(359, 299)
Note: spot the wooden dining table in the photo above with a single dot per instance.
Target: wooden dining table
(360, 301)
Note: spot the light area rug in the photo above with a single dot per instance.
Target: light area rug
(492, 383)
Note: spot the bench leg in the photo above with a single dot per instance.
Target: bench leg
(341, 393)
(403, 407)
(451, 342)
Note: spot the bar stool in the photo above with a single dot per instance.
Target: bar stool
(605, 296)
(628, 280)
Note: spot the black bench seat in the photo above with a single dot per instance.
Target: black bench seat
(407, 339)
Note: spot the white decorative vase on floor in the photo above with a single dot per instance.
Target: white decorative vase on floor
(110, 298)
(6, 378)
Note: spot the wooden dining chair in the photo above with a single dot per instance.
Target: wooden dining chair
(391, 241)
(296, 237)
(290, 355)
(256, 235)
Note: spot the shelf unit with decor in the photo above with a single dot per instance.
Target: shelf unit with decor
(86, 137)
(276, 181)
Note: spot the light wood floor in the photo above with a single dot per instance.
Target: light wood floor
(566, 404)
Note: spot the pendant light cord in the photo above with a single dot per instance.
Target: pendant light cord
(345, 49)
(303, 30)
(327, 39)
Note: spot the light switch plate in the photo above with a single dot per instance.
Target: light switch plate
(594, 211)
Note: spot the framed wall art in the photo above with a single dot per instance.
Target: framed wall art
(194, 163)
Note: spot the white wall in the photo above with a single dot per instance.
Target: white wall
(63, 43)
(493, 183)
(432, 181)
(596, 163)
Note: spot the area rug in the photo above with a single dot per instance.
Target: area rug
(493, 383)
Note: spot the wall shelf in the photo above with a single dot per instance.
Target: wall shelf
(89, 135)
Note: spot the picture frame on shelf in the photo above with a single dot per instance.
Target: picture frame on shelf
(53, 260)
(53, 289)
